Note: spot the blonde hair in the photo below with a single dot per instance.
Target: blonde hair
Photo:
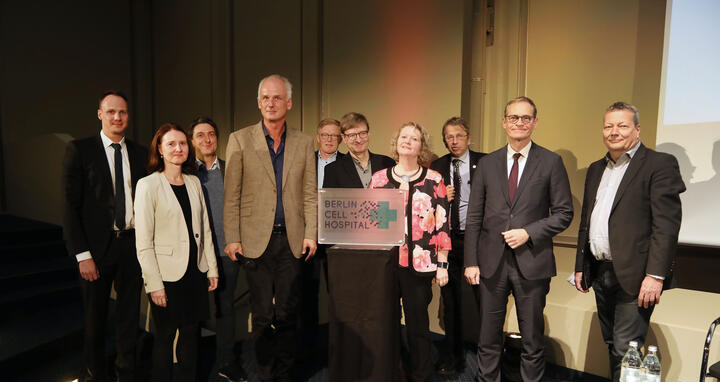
(425, 151)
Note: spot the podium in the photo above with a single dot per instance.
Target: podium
(364, 307)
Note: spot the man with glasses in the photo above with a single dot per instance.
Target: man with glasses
(355, 170)
(459, 304)
(520, 199)
(328, 139)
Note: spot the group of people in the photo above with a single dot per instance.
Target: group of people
(182, 222)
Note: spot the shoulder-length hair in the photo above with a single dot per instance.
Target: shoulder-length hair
(425, 151)
(156, 163)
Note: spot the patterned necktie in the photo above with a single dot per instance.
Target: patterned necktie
(455, 208)
(513, 178)
(119, 188)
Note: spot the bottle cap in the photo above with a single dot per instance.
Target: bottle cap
(633, 344)
(652, 348)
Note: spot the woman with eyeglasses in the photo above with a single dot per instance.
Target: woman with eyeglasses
(423, 255)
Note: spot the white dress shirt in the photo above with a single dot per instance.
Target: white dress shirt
(110, 154)
(464, 187)
(521, 161)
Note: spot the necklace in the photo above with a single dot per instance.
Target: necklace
(405, 178)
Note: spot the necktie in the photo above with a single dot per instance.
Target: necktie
(119, 188)
(455, 208)
(513, 178)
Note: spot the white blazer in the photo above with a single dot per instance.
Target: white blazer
(161, 235)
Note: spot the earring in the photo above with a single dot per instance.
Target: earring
(161, 157)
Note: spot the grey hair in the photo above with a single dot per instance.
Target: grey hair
(620, 105)
(288, 85)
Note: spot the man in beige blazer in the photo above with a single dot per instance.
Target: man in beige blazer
(270, 220)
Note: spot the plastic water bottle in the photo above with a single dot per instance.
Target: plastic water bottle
(631, 370)
(651, 365)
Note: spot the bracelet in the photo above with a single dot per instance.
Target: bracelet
(443, 264)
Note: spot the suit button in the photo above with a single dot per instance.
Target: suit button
(197, 235)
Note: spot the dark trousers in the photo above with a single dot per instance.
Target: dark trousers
(416, 294)
(275, 274)
(225, 310)
(186, 350)
(460, 308)
(120, 266)
(529, 302)
(312, 272)
(621, 320)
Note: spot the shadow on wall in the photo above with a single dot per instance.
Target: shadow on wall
(36, 188)
(577, 181)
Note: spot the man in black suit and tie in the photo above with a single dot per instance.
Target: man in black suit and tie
(520, 199)
(99, 176)
(628, 231)
(457, 169)
(355, 169)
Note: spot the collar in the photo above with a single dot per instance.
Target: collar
(524, 151)
(107, 141)
(267, 135)
(463, 158)
(212, 167)
(333, 157)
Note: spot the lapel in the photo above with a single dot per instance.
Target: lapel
(291, 149)
(635, 163)
(594, 176)
(444, 168)
(351, 171)
(105, 185)
(136, 169)
(531, 163)
(262, 151)
(474, 158)
(193, 196)
(501, 168)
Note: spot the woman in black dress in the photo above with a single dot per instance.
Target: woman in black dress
(175, 251)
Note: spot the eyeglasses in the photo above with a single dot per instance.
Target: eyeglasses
(523, 118)
(329, 137)
(459, 137)
(361, 135)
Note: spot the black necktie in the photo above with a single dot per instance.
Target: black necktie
(119, 188)
(513, 178)
(455, 208)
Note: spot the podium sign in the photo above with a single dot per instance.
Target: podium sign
(358, 216)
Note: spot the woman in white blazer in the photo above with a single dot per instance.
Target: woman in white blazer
(175, 250)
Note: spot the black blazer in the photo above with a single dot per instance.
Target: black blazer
(644, 220)
(89, 193)
(342, 172)
(339, 155)
(442, 165)
(542, 206)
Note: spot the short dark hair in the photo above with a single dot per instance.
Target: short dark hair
(456, 121)
(521, 99)
(201, 120)
(352, 119)
(155, 162)
(620, 105)
(109, 93)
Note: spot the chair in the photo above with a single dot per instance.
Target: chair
(714, 370)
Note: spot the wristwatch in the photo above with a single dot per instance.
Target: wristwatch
(443, 264)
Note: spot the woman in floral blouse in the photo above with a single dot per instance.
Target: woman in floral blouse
(423, 255)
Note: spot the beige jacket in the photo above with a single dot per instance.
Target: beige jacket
(250, 192)
(161, 235)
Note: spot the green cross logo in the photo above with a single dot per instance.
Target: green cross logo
(383, 215)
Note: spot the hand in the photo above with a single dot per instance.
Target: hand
(650, 291)
(516, 237)
(472, 275)
(450, 190)
(578, 282)
(159, 297)
(441, 277)
(309, 248)
(232, 249)
(88, 270)
(213, 283)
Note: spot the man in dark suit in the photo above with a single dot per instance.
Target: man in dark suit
(99, 176)
(520, 199)
(355, 169)
(459, 304)
(211, 170)
(628, 231)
